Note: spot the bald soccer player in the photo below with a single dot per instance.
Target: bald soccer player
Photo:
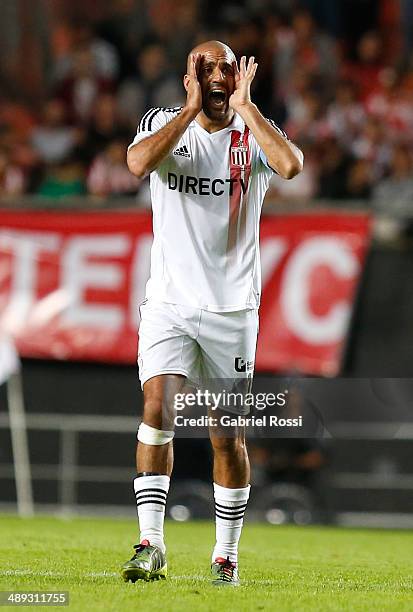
(210, 163)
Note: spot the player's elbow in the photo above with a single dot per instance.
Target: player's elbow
(293, 166)
(137, 169)
(136, 164)
(292, 170)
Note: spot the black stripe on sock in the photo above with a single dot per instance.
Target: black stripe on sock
(229, 512)
(139, 497)
(152, 501)
(230, 518)
(244, 505)
(155, 490)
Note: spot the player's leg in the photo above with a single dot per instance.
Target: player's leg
(231, 463)
(154, 459)
(228, 342)
(154, 455)
(158, 414)
(231, 492)
(166, 355)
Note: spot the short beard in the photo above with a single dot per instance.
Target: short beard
(210, 114)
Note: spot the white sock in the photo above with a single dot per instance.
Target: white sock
(151, 493)
(230, 506)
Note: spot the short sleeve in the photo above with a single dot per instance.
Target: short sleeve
(153, 121)
(263, 157)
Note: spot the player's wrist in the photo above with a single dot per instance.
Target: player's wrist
(243, 108)
(189, 112)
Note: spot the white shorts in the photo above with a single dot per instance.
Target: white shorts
(196, 343)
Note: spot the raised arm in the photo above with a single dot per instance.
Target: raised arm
(282, 155)
(147, 154)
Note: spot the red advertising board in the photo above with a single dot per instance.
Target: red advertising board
(71, 283)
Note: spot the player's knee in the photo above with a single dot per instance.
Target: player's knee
(159, 408)
(157, 414)
(153, 436)
(227, 445)
(152, 411)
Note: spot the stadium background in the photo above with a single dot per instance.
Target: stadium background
(338, 76)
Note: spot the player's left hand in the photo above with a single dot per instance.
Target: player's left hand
(243, 79)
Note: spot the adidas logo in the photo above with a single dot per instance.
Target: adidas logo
(183, 151)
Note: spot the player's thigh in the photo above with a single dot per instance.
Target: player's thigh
(165, 342)
(159, 393)
(228, 342)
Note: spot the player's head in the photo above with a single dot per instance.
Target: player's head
(216, 76)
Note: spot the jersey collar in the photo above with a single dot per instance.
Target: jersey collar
(236, 124)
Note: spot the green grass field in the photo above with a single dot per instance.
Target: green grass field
(283, 568)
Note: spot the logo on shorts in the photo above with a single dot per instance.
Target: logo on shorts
(241, 365)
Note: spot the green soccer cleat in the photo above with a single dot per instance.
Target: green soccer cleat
(224, 572)
(148, 563)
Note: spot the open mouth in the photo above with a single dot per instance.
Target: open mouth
(217, 98)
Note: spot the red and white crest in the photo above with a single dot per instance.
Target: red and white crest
(239, 156)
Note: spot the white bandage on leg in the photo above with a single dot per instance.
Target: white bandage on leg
(152, 436)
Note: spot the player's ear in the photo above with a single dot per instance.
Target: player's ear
(186, 81)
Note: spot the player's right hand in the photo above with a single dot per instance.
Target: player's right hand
(192, 85)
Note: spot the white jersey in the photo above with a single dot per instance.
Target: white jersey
(206, 196)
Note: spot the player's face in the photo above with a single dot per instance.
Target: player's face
(217, 79)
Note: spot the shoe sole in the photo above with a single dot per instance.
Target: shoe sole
(132, 574)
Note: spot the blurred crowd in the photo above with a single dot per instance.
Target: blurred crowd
(337, 76)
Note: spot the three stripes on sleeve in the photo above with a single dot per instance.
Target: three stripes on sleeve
(146, 123)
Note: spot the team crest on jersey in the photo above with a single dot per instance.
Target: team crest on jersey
(239, 156)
